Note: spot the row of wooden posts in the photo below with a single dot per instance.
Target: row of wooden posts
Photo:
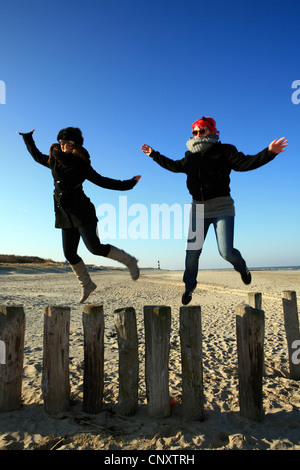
(250, 326)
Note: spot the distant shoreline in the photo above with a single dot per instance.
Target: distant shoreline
(37, 262)
(63, 268)
(28, 264)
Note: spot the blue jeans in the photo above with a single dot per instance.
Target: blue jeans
(224, 228)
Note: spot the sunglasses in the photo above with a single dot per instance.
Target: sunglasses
(200, 131)
(70, 143)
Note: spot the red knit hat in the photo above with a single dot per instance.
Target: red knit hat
(206, 121)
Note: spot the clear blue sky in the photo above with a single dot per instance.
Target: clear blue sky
(136, 72)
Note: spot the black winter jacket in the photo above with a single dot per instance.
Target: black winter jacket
(208, 172)
(72, 207)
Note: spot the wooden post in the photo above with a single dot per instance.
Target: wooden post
(93, 377)
(125, 322)
(55, 377)
(157, 321)
(250, 346)
(191, 358)
(12, 333)
(254, 300)
(291, 324)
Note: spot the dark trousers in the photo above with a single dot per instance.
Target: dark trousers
(88, 233)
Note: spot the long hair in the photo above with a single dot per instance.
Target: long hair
(80, 152)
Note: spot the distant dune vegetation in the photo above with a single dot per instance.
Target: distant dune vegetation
(18, 259)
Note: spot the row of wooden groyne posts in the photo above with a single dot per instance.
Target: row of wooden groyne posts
(250, 327)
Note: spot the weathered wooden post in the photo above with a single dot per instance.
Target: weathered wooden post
(254, 300)
(12, 333)
(157, 321)
(125, 322)
(191, 358)
(291, 324)
(250, 347)
(93, 377)
(55, 376)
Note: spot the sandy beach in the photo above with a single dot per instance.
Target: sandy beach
(218, 293)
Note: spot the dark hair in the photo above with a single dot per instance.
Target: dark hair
(71, 133)
(74, 134)
(80, 152)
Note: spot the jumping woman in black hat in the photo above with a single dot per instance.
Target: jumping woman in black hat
(75, 214)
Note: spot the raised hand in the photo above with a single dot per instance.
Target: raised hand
(146, 149)
(278, 145)
(23, 133)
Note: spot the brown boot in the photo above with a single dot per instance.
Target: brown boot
(125, 258)
(84, 280)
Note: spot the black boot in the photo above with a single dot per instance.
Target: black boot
(186, 297)
(246, 277)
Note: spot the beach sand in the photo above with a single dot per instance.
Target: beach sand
(218, 293)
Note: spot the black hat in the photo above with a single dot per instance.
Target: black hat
(71, 133)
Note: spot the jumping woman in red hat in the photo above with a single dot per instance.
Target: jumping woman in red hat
(208, 164)
(75, 214)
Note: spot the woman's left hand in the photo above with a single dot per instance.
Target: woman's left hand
(278, 146)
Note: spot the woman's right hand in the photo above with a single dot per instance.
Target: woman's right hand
(24, 133)
(146, 149)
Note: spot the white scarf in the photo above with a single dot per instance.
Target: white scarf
(199, 145)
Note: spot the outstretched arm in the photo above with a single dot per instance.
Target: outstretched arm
(110, 183)
(177, 166)
(241, 162)
(38, 156)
